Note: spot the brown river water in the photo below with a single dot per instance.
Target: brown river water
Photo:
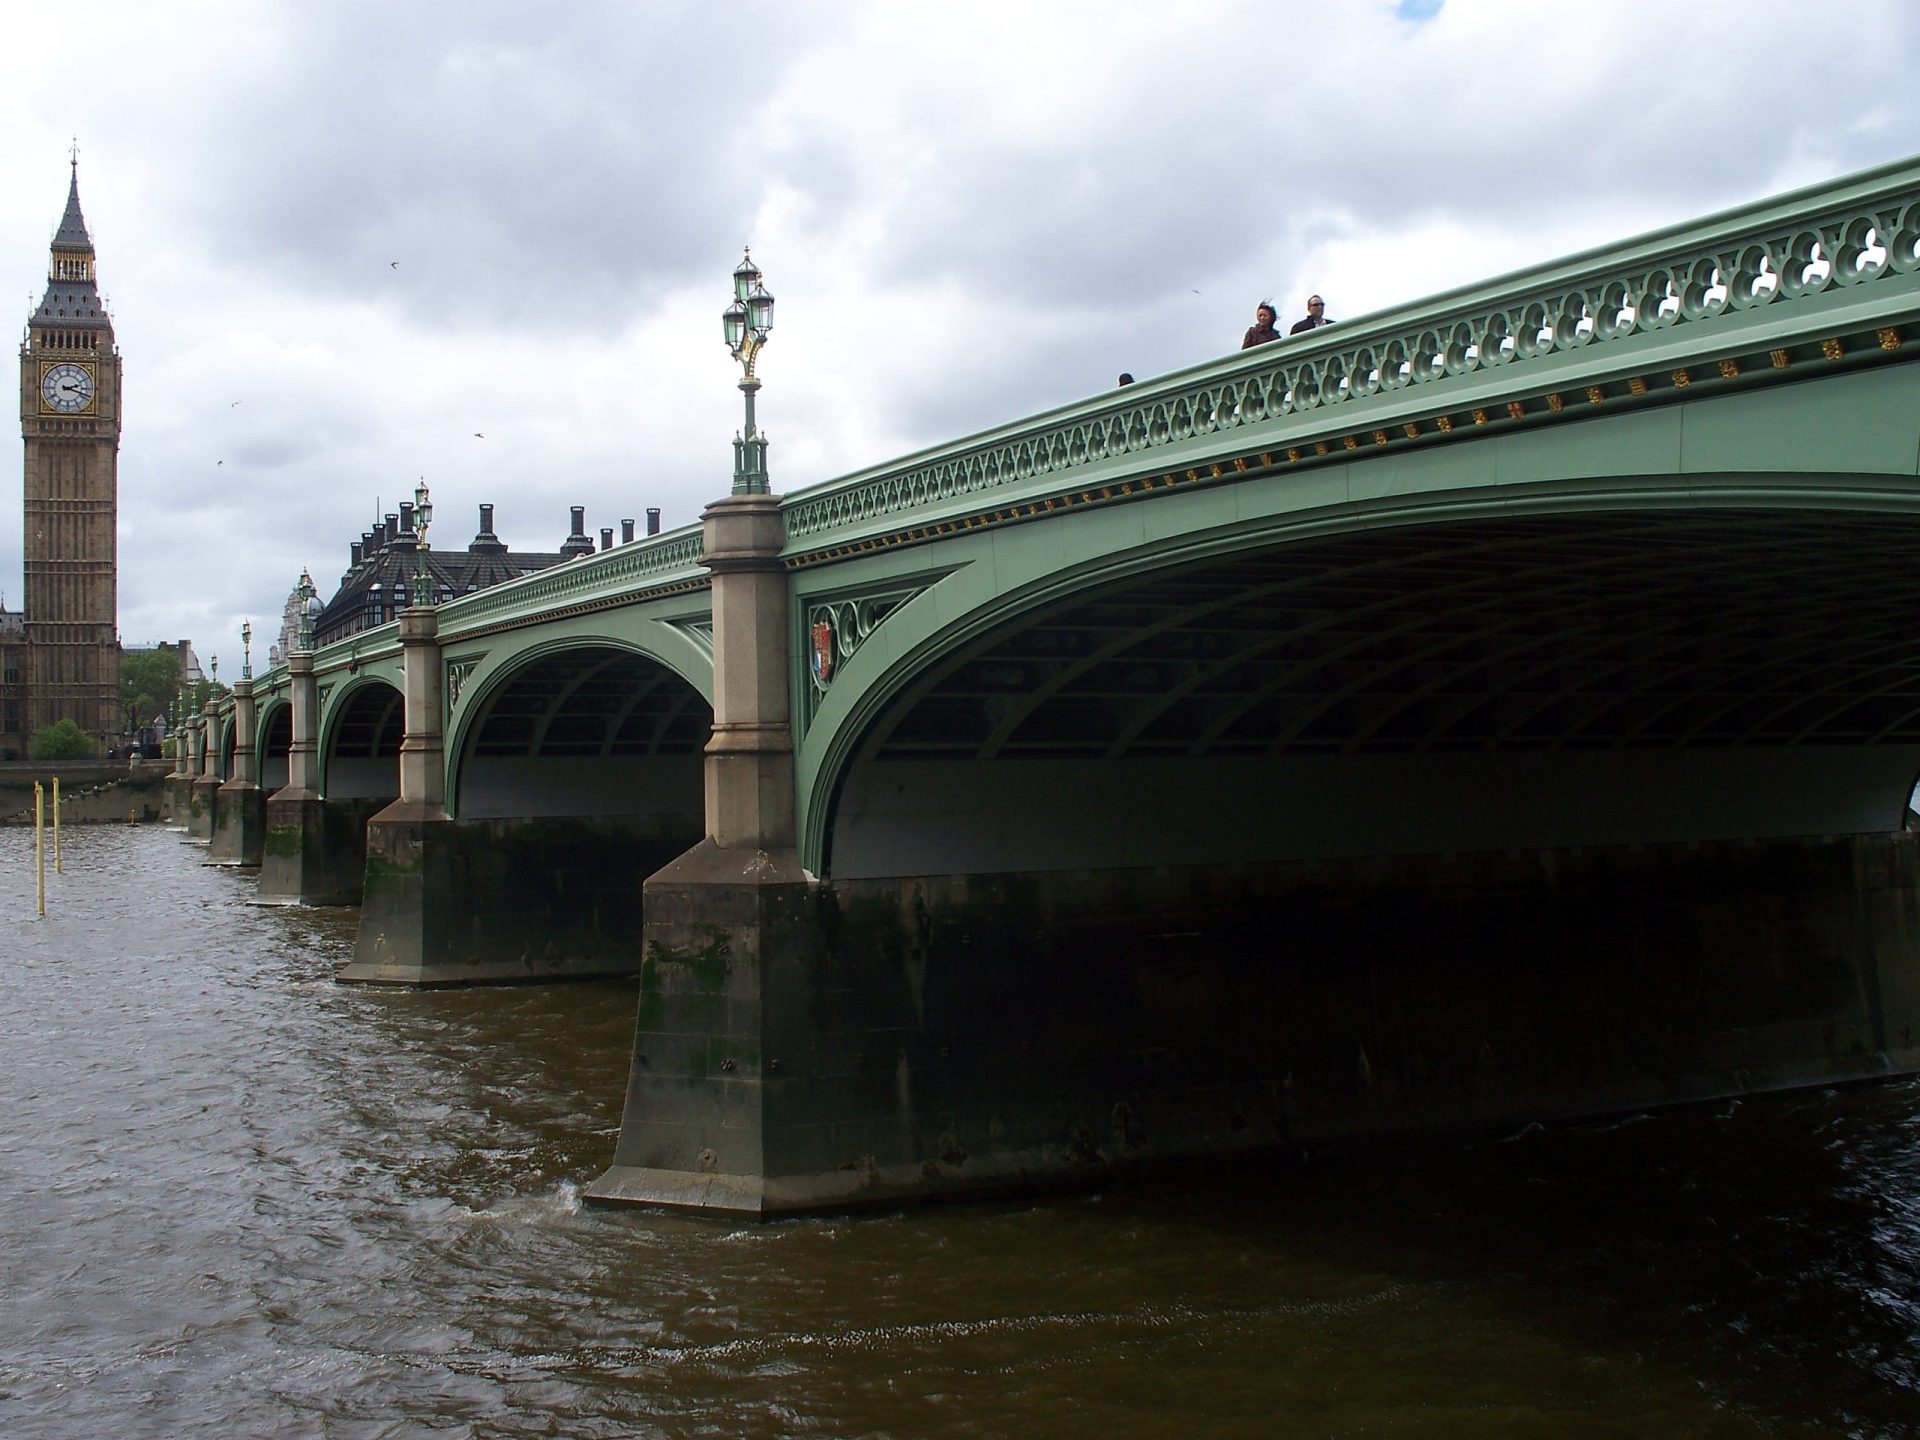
(237, 1199)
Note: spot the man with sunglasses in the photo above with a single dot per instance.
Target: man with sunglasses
(1316, 316)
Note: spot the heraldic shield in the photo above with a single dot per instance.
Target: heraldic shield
(822, 650)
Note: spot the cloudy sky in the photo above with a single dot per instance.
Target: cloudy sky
(381, 228)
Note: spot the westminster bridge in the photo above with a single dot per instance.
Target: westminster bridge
(1502, 706)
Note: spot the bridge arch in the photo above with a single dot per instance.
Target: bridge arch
(1579, 666)
(273, 742)
(360, 741)
(587, 726)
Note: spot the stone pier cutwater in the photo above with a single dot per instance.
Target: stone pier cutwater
(204, 787)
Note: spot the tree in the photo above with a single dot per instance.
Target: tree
(149, 681)
(62, 740)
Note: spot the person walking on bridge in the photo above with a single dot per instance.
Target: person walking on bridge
(1261, 331)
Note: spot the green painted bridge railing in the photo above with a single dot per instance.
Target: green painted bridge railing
(1758, 277)
(657, 561)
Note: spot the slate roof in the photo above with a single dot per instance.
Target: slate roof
(72, 234)
(388, 558)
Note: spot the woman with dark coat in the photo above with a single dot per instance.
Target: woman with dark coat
(1261, 331)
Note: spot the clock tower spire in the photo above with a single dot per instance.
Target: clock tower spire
(70, 421)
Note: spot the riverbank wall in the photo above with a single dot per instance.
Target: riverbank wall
(92, 792)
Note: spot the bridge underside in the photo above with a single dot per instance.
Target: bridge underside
(1533, 681)
(587, 732)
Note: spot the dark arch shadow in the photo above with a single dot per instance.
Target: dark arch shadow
(361, 748)
(590, 731)
(276, 745)
(1587, 678)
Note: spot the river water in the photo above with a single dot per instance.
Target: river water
(238, 1199)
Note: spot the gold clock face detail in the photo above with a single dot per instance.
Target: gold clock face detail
(67, 388)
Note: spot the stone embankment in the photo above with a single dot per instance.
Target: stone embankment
(92, 792)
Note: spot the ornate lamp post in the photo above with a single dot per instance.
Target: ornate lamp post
(747, 322)
(422, 517)
(246, 649)
(213, 669)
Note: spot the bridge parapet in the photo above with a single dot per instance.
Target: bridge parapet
(614, 576)
(1794, 283)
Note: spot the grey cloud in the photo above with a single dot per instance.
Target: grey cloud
(519, 175)
(552, 172)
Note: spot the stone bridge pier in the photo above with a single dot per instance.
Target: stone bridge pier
(240, 806)
(411, 894)
(180, 780)
(731, 928)
(206, 780)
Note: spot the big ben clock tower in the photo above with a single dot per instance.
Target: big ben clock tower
(70, 420)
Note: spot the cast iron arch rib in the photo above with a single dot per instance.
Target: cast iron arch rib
(1598, 629)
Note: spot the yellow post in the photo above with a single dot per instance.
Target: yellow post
(56, 826)
(40, 846)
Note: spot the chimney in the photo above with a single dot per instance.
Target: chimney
(486, 542)
(606, 537)
(577, 543)
(406, 517)
(626, 532)
(355, 548)
(392, 529)
(653, 520)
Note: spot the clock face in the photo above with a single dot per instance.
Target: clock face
(67, 388)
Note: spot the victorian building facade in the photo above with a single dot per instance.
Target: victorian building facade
(383, 571)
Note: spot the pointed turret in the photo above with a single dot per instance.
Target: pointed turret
(73, 296)
(72, 234)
